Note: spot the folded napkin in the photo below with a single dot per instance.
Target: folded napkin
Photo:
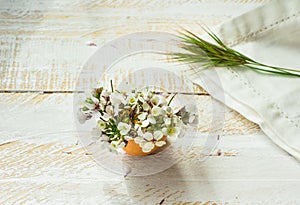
(271, 35)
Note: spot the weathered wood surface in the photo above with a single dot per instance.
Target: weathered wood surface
(43, 44)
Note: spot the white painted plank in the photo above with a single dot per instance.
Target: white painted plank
(246, 169)
(43, 46)
(26, 115)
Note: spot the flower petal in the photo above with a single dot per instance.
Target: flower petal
(160, 143)
(145, 123)
(142, 116)
(151, 119)
(158, 135)
(148, 136)
(167, 121)
(156, 111)
(147, 147)
(146, 106)
(138, 140)
(126, 137)
(95, 100)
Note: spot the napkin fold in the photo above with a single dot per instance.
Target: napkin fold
(268, 34)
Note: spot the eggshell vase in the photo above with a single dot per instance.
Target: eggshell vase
(134, 149)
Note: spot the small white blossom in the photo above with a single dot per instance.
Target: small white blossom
(142, 116)
(171, 131)
(158, 135)
(117, 99)
(145, 123)
(146, 106)
(147, 147)
(101, 125)
(148, 136)
(168, 110)
(146, 93)
(163, 102)
(117, 144)
(106, 116)
(132, 100)
(139, 140)
(167, 121)
(110, 110)
(151, 119)
(160, 143)
(140, 132)
(155, 100)
(150, 141)
(124, 128)
(156, 111)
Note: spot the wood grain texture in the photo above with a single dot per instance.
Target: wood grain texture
(61, 172)
(43, 45)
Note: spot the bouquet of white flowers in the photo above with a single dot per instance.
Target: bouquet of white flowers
(137, 122)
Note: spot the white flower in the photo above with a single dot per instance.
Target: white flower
(142, 116)
(117, 99)
(155, 100)
(158, 135)
(150, 119)
(156, 111)
(145, 123)
(139, 131)
(171, 131)
(117, 144)
(148, 136)
(106, 116)
(146, 106)
(163, 101)
(147, 147)
(101, 125)
(168, 110)
(95, 100)
(139, 140)
(150, 141)
(93, 104)
(124, 128)
(110, 110)
(146, 93)
(167, 121)
(160, 143)
(175, 119)
(141, 98)
(132, 100)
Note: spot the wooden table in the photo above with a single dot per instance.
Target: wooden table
(43, 44)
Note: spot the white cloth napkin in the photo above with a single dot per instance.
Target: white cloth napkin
(269, 34)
